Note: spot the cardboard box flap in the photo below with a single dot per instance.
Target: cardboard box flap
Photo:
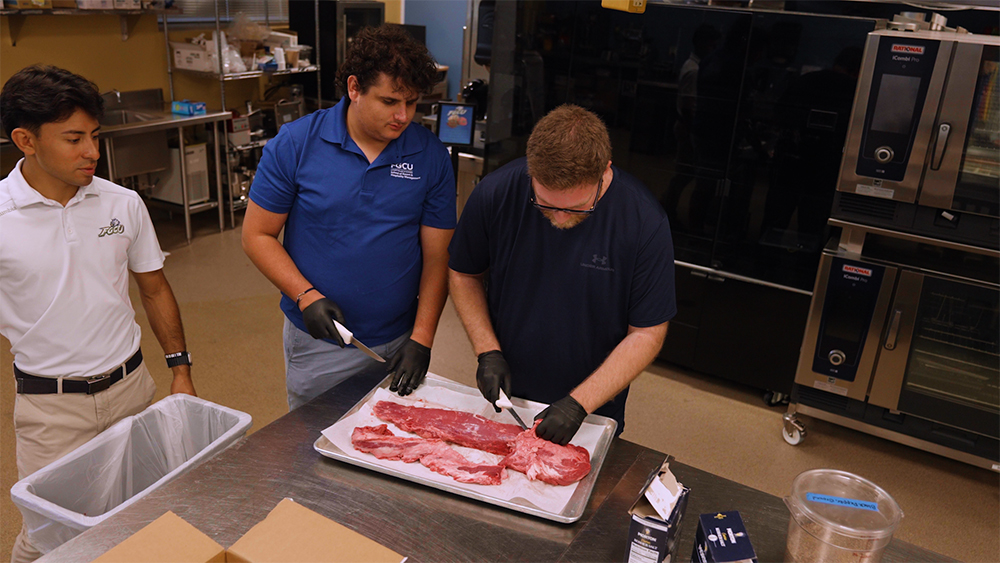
(168, 539)
(293, 533)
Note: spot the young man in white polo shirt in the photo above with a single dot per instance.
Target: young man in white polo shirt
(67, 243)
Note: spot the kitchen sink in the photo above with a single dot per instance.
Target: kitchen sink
(125, 116)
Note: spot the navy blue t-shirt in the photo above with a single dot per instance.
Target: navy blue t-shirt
(561, 300)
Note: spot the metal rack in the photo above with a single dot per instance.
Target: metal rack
(235, 205)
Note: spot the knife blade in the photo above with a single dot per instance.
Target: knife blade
(504, 403)
(348, 336)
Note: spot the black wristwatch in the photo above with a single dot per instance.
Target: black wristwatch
(178, 359)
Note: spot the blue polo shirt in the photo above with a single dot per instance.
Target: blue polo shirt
(353, 228)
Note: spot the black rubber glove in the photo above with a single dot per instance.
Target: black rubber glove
(493, 374)
(409, 366)
(560, 421)
(319, 316)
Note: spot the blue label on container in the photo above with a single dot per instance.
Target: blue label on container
(827, 499)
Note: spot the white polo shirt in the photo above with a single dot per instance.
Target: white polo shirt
(64, 301)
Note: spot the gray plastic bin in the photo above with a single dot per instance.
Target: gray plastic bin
(123, 464)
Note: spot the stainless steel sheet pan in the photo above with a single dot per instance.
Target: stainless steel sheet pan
(571, 513)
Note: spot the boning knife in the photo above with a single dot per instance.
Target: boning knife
(504, 403)
(348, 336)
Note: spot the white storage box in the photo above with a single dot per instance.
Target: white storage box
(189, 56)
(123, 464)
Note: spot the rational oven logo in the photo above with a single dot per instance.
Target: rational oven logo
(856, 270)
(908, 49)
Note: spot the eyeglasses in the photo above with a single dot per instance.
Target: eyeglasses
(563, 209)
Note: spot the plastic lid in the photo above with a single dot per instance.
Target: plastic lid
(844, 504)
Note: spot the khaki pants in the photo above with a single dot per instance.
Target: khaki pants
(48, 427)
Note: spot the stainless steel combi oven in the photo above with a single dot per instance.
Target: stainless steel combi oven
(902, 335)
(902, 342)
(923, 147)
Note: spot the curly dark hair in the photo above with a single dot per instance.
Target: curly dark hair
(391, 50)
(40, 94)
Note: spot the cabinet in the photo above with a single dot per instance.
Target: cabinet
(733, 118)
(330, 26)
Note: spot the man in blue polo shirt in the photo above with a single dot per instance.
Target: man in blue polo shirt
(367, 203)
(562, 270)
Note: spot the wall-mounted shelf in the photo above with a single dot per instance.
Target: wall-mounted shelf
(129, 18)
(247, 74)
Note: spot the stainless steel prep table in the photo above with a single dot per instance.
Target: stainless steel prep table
(230, 493)
(167, 120)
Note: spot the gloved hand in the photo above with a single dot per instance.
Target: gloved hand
(493, 374)
(409, 365)
(319, 316)
(560, 421)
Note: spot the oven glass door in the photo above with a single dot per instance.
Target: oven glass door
(952, 372)
(978, 188)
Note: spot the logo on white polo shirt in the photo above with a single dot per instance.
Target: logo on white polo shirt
(115, 228)
(403, 170)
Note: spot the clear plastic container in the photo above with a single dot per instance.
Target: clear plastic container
(838, 517)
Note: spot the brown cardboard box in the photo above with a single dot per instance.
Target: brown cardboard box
(29, 4)
(168, 539)
(293, 533)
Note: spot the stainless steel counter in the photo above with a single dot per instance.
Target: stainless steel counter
(230, 493)
(154, 120)
(161, 120)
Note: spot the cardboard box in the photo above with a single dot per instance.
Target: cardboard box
(187, 107)
(29, 4)
(168, 539)
(64, 4)
(651, 538)
(95, 4)
(190, 57)
(127, 4)
(282, 39)
(722, 538)
(293, 533)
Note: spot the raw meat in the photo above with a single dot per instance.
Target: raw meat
(433, 454)
(541, 460)
(457, 427)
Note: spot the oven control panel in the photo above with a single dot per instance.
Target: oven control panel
(903, 68)
(848, 307)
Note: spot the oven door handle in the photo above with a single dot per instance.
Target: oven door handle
(890, 337)
(939, 145)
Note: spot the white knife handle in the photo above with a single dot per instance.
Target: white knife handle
(344, 333)
(504, 401)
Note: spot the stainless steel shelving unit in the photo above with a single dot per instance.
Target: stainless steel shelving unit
(222, 78)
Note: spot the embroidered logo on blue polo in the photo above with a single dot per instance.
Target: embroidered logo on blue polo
(598, 262)
(115, 228)
(403, 170)
(840, 501)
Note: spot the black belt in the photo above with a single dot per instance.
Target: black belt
(28, 384)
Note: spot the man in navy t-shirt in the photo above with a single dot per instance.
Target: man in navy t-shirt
(367, 203)
(562, 270)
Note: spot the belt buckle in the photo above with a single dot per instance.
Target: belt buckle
(98, 383)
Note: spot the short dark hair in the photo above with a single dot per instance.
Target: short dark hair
(391, 50)
(40, 94)
(567, 147)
